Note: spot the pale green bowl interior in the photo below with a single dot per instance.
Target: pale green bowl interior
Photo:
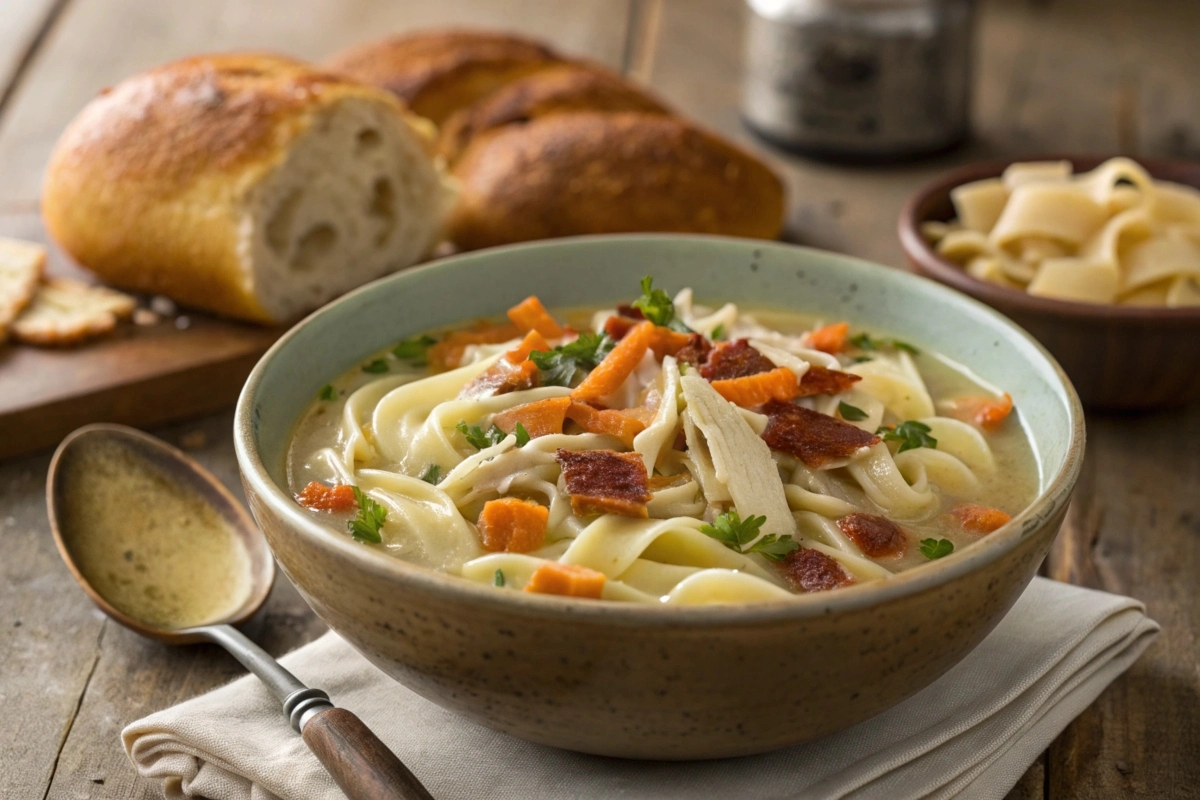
(599, 270)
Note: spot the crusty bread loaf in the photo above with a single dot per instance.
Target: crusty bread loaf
(596, 172)
(251, 185)
(549, 146)
(438, 72)
(561, 87)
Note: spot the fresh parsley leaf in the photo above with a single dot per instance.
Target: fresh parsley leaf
(719, 334)
(480, 438)
(414, 350)
(656, 306)
(851, 413)
(498, 579)
(910, 434)
(376, 366)
(862, 359)
(433, 474)
(735, 533)
(936, 548)
(371, 516)
(559, 366)
(522, 435)
(865, 341)
(774, 548)
(327, 393)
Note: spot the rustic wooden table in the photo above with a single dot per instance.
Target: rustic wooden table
(1053, 75)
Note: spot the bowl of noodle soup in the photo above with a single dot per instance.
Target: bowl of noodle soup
(1118, 304)
(677, 460)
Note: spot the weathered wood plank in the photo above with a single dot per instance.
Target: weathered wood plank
(1134, 528)
(25, 21)
(98, 42)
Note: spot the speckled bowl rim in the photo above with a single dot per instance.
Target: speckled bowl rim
(615, 613)
(929, 261)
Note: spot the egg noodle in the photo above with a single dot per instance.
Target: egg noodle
(1112, 235)
(743, 497)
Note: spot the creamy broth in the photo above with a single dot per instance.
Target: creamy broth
(150, 547)
(953, 464)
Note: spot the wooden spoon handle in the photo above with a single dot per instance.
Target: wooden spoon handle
(360, 764)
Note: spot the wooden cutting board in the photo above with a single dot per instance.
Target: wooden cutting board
(141, 375)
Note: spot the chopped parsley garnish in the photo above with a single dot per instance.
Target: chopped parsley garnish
(735, 533)
(865, 341)
(327, 393)
(861, 359)
(376, 366)
(851, 413)
(414, 350)
(479, 437)
(936, 548)
(432, 474)
(521, 434)
(656, 306)
(498, 579)
(719, 333)
(559, 366)
(370, 518)
(910, 434)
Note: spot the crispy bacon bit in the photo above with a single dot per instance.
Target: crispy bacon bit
(626, 310)
(319, 497)
(448, 353)
(501, 378)
(734, 360)
(876, 536)
(810, 570)
(695, 351)
(512, 525)
(978, 518)
(680, 442)
(819, 380)
(814, 438)
(617, 327)
(830, 339)
(568, 580)
(605, 482)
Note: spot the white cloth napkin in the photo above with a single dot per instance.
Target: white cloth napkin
(971, 734)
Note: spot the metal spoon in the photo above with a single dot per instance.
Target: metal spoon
(104, 481)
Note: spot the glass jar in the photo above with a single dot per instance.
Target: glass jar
(859, 80)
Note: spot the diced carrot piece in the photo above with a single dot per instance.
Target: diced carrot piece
(830, 339)
(531, 315)
(667, 342)
(613, 422)
(320, 497)
(979, 519)
(986, 412)
(512, 525)
(448, 353)
(617, 326)
(532, 341)
(568, 580)
(753, 391)
(618, 365)
(539, 418)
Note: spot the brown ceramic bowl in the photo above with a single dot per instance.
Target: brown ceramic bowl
(1119, 357)
(639, 681)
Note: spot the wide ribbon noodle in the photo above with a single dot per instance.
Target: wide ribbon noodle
(1112, 235)
(711, 459)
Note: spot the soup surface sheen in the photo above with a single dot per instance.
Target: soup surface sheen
(707, 456)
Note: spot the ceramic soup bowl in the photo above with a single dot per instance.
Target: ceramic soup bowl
(641, 681)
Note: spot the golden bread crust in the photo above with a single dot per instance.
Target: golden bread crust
(558, 88)
(595, 172)
(438, 72)
(146, 187)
